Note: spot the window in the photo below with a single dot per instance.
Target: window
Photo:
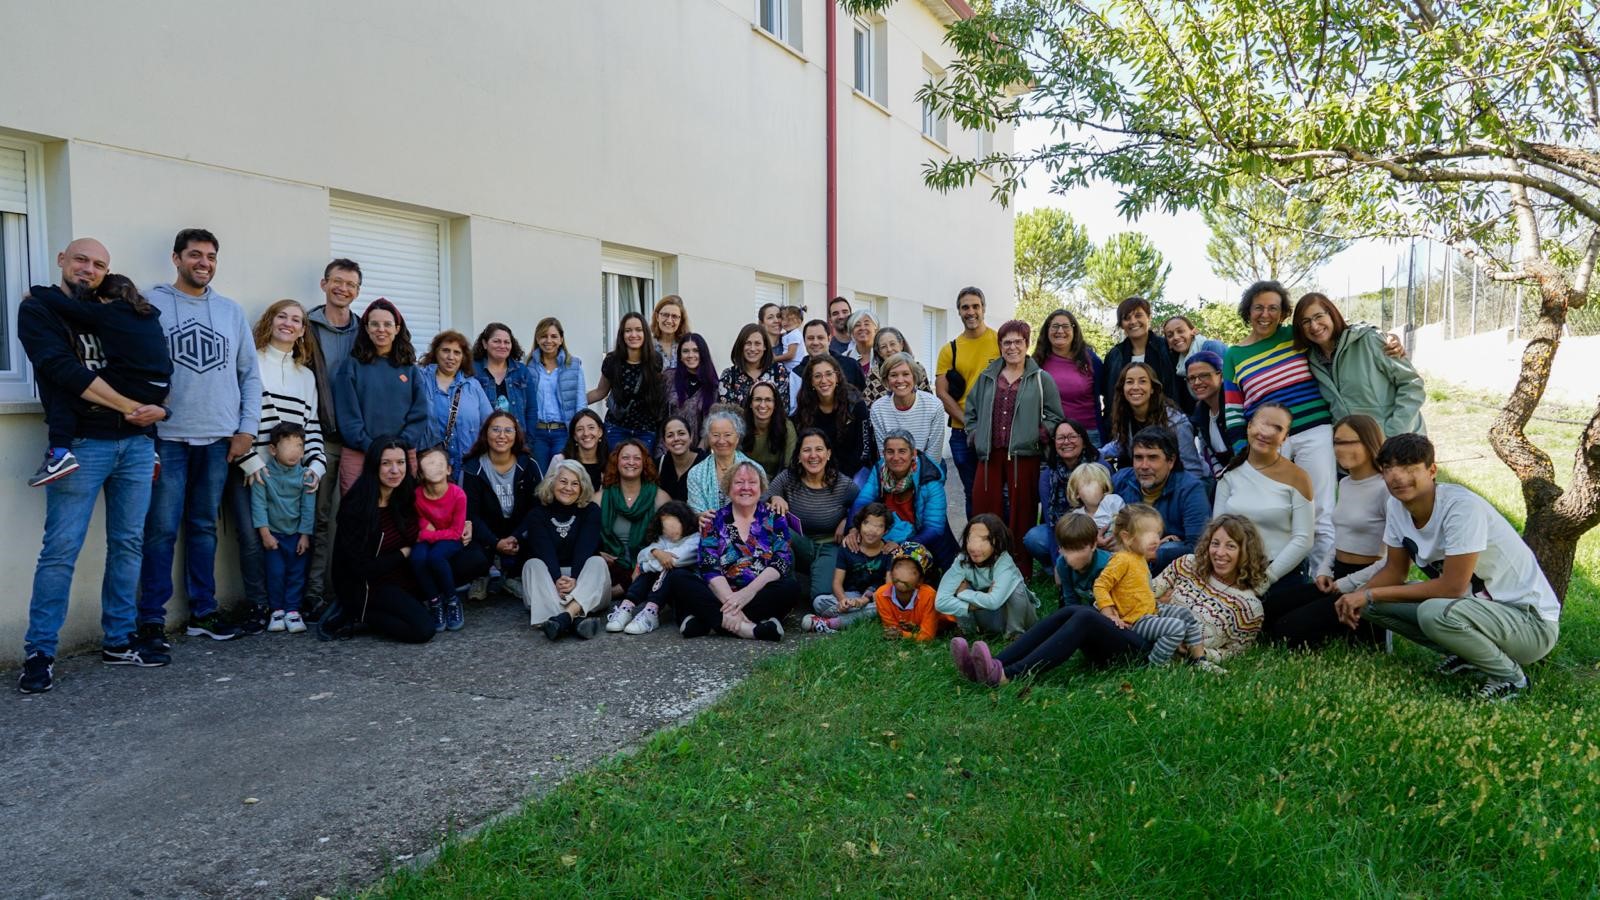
(869, 40)
(781, 19)
(22, 257)
(771, 290)
(985, 143)
(872, 303)
(934, 126)
(627, 284)
(933, 325)
(402, 258)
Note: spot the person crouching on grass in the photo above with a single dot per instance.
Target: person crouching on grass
(1123, 593)
(907, 606)
(984, 589)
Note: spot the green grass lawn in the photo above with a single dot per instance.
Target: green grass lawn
(858, 767)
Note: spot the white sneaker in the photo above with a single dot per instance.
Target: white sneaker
(618, 618)
(277, 622)
(643, 623)
(292, 622)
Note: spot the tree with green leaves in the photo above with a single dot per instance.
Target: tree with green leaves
(1473, 122)
(1261, 230)
(1051, 252)
(1126, 265)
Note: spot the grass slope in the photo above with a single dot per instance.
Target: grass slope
(858, 767)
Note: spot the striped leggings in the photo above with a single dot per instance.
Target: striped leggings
(1168, 627)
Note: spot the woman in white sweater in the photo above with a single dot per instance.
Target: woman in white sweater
(1267, 488)
(288, 394)
(907, 408)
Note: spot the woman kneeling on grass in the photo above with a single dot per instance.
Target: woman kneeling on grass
(744, 584)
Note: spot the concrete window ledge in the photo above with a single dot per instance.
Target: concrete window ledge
(21, 408)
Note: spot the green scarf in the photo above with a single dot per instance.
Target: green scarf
(638, 515)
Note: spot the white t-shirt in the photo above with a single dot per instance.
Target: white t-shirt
(792, 339)
(1463, 522)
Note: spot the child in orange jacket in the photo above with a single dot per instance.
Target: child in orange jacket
(906, 603)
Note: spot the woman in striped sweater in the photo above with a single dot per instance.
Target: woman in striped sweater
(910, 407)
(288, 394)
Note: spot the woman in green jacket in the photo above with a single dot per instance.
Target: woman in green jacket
(1011, 410)
(1354, 372)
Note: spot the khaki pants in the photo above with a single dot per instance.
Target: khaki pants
(1495, 638)
(543, 600)
(328, 494)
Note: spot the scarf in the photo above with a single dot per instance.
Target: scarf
(899, 494)
(638, 516)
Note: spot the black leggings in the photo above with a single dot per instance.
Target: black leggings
(1303, 617)
(394, 613)
(1064, 632)
(692, 596)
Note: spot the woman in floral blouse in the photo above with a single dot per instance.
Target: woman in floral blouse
(752, 362)
(744, 582)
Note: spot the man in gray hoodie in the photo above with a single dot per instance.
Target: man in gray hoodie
(334, 326)
(216, 411)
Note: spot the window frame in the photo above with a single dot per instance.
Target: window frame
(625, 264)
(32, 262)
(864, 54)
(935, 128)
(785, 19)
(440, 223)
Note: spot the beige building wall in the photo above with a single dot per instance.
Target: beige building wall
(542, 133)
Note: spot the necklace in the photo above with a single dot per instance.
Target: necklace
(564, 528)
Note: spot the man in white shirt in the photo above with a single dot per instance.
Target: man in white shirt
(1486, 604)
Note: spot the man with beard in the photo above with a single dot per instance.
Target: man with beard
(114, 448)
(1179, 496)
(960, 363)
(839, 319)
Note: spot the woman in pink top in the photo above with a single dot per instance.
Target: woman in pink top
(1064, 355)
(441, 531)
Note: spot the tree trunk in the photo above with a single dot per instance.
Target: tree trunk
(1556, 518)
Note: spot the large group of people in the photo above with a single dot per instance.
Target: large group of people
(1185, 495)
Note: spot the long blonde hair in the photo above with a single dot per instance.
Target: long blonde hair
(301, 352)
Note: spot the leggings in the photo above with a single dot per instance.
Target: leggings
(394, 613)
(649, 587)
(430, 562)
(1064, 632)
(828, 605)
(1168, 627)
(693, 597)
(1303, 617)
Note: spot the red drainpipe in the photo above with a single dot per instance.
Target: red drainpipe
(832, 90)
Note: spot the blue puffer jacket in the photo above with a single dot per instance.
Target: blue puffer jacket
(931, 524)
(569, 387)
(520, 396)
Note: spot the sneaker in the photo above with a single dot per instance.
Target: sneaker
(52, 468)
(134, 654)
(818, 624)
(588, 626)
(294, 623)
(155, 635)
(1207, 666)
(277, 623)
(455, 618)
(1497, 689)
(436, 608)
(556, 626)
(478, 591)
(1454, 665)
(769, 630)
(643, 623)
(38, 674)
(254, 620)
(693, 627)
(961, 654)
(619, 617)
(212, 627)
(513, 586)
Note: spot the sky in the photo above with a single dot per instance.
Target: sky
(1181, 238)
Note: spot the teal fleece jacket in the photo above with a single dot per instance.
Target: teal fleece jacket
(1360, 378)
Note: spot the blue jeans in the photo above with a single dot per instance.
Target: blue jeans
(251, 567)
(1040, 542)
(123, 468)
(616, 434)
(966, 463)
(188, 494)
(430, 562)
(285, 572)
(544, 444)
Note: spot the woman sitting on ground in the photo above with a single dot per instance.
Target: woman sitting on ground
(912, 486)
(377, 528)
(629, 498)
(1218, 584)
(565, 583)
(1262, 485)
(744, 583)
(499, 478)
(820, 496)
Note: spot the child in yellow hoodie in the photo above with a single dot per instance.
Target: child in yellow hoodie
(1123, 594)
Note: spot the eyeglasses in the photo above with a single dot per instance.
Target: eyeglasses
(503, 431)
(1202, 376)
(1061, 328)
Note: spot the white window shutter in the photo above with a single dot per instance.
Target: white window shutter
(402, 259)
(769, 291)
(13, 182)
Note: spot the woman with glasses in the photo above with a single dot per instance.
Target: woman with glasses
(499, 478)
(1065, 356)
(1204, 376)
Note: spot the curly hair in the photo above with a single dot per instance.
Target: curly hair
(1251, 571)
(480, 347)
(610, 475)
(448, 337)
(262, 332)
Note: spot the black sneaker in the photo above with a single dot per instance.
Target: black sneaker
(588, 626)
(769, 630)
(555, 626)
(1497, 689)
(1454, 665)
(155, 635)
(38, 674)
(52, 468)
(137, 653)
(254, 621)
(213, 627)
(693, 627)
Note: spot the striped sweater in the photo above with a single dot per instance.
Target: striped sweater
(288, 394)
(925, 420)
(1270, 370)
(1230, 616)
